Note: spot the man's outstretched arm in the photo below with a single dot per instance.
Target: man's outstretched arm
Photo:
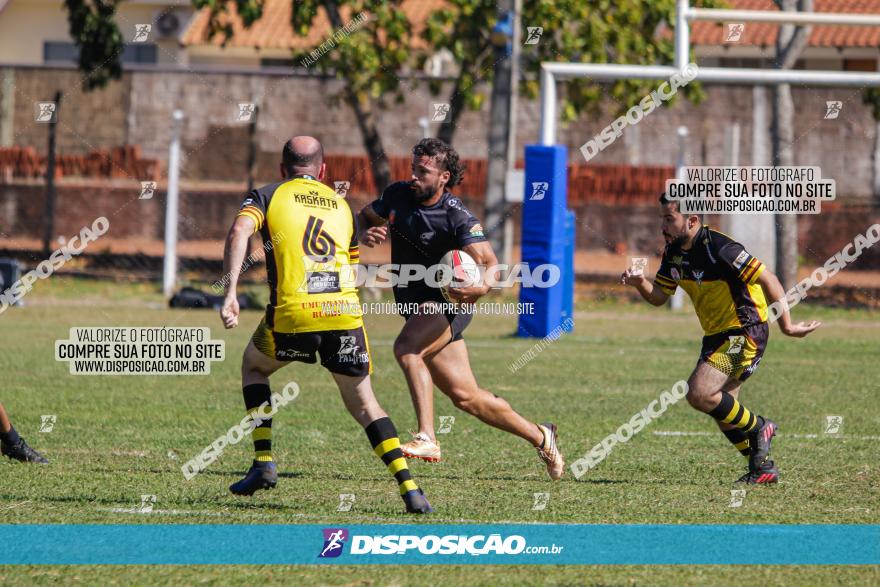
(775, 294)
(650, 292)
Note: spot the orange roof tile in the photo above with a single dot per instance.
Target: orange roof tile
(274, 31)
(764, 34)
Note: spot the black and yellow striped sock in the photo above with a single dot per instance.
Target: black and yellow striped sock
(386, 445)
(739, 439)
(734, 413)
(254, 396)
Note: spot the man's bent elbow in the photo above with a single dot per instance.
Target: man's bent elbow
(238, 233)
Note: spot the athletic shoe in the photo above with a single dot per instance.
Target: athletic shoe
(22, 452)
(416, 502)
(765, 475)
(422, 447)
(262, 475)
(549, 452)
(759, 442)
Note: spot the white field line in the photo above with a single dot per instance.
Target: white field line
(840, 436)
(509, 344)
(330, 519)
(170, 512)
(320, 517)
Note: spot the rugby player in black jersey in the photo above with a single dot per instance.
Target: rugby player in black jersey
(424, 222)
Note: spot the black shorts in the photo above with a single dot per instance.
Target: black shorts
(458, 321)
(346, 352)
(736, 352)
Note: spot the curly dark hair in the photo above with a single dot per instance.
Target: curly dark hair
(444, 155)
(665, 199)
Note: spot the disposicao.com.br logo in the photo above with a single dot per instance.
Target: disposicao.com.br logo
(334, 540)
(453, 544)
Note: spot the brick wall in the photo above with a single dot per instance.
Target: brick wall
(87, 121)
(137, 110)
(206, 212)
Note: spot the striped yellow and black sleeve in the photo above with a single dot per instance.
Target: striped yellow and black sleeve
(751, 270)
(254, 207)
(664, 278)
(747, 267)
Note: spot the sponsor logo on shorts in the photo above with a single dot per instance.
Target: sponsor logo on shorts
(753, 367)
(291, 354)
(350, 352)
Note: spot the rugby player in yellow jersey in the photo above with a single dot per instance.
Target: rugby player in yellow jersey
(313, 308)
(729, 289)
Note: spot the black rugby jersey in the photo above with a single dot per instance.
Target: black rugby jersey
(423, 234)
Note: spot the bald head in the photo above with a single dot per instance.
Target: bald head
(302, 154)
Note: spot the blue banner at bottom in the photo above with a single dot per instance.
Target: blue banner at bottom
(576, 544)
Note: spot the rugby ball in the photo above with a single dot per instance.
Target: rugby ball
(457, 269)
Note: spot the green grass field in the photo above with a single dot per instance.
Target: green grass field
(119, 437)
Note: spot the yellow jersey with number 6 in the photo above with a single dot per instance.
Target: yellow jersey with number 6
(310, 238)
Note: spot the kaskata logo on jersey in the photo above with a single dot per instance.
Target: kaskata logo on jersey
(334, 541)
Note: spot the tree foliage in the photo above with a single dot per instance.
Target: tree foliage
(597, 31)
(100, 43)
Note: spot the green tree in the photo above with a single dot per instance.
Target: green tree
(790, 43)
(596, 31)
(100, 43)
(367, 47)
(370, 58)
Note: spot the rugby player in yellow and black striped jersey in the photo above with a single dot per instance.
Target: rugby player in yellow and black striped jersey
(313, 308)
(729, 289)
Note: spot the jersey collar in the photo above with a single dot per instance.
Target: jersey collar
(303, 176)
(702, 235)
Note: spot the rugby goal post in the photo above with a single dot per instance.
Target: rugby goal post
(544, 220)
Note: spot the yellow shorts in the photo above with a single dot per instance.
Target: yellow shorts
(736, 352)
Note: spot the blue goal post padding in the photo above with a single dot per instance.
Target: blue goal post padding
(547, 238)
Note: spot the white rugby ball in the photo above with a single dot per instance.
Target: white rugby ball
(463, 270)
